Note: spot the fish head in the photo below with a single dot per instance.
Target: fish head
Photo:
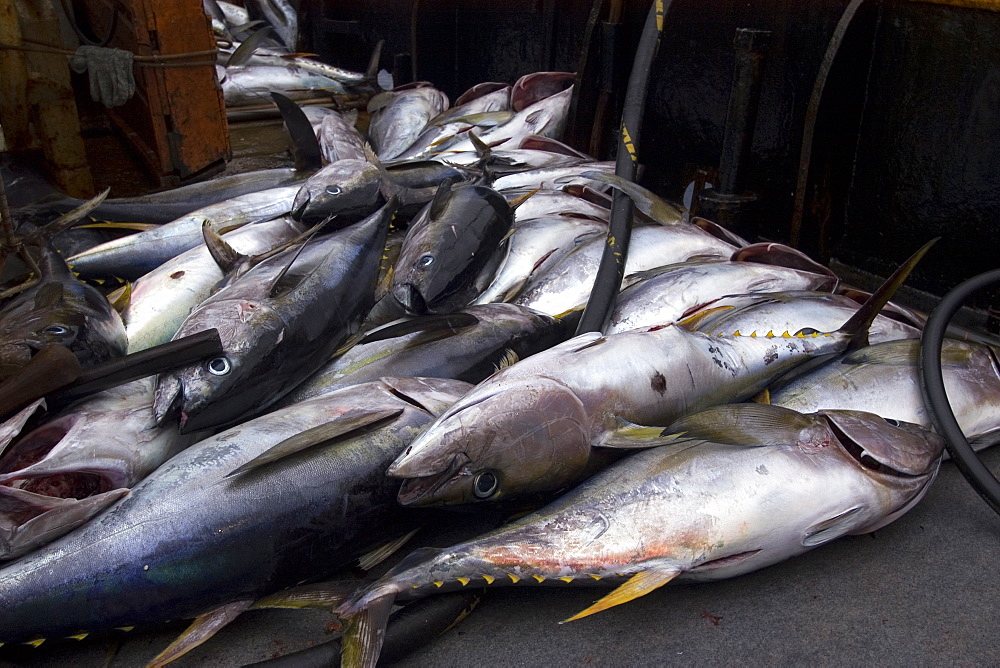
(67, 313)
(347, 189)
(223, 389)
(884, 447)
(444, 254)
(531, 436)
(422, 272)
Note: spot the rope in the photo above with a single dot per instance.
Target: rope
(166, 60)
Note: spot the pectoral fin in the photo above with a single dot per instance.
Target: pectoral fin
(319, 595)
(629, 435)
(202, 628)
(383, 552)
(339, 429)
(448, 322)
(639, 585)
(119, 225)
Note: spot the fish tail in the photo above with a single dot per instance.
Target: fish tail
(857, 326)
(364, 632)
(371, 72)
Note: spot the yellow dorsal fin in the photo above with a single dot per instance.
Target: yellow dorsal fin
(638, 585)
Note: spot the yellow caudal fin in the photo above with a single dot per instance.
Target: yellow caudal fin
(638, 585)
(364, 633)
(201, 629)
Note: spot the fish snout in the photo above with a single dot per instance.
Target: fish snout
(409, 298)
(423, 490)
(168, 399)
(300, 203)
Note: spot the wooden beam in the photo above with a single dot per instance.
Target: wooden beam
(53, 103)
(13, 82)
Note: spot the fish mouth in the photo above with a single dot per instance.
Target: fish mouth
(410, 299)
(168, 400)
(299, 205)
(420, 491)
(862, 456)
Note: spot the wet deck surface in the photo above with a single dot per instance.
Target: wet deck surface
(922, 591)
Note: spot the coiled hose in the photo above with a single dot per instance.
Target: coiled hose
(932, 383)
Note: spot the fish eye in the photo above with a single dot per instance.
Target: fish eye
(425, 260)
(485, 484)
(219, 366)
(57, 330)
(333, 190)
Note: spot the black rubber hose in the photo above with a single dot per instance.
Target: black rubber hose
(409, 628)
(932, 382)
(612, 268)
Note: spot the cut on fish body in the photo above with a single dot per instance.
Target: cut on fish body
(62, 473)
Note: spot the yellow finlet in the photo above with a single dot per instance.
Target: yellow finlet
(439, 584)
(596, 577)
(770, 334)
(786, 335)
(513, 578)
(566, 578)
(35, 643)
(464, 581)
(638, 585)
(489, 579)
(78, 636)
(539, 578)
(125, 628)
(762, 397)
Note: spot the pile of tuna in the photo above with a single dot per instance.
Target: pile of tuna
(399, 331)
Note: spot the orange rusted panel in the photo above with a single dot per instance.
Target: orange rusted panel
(177, 119)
